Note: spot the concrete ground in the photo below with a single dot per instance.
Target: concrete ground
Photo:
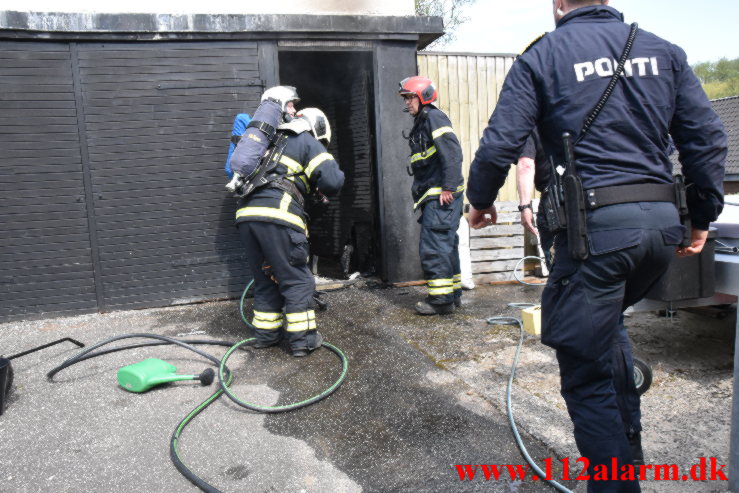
(421, 396)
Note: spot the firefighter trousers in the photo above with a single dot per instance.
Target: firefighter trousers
(278, 259)
(439, 250)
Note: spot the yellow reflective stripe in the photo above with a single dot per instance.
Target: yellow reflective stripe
(271, 213)
(305, 181)
(267, 320)
(430, 192)
(295, 169)
(285, 202)
(439, 282)
(301, 326)
(270, 316)
(300, 316)
(291, 164)
(439, 287)
(440, 291)
(423, 155)
(434, 191)
(441, 131)
(299, 321)
(457, 277)
(265, 325)
(316, 162)
(457, 285)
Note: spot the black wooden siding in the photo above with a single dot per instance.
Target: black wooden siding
(145, 152)
(45, 251)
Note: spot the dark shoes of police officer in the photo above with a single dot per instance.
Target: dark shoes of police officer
(302, 352)
(637, 454)
(426, 308)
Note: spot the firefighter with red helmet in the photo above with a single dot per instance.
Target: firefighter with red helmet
(436, 166)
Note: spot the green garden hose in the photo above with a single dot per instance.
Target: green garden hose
(225, 378)
(509, 407)
(241, 305)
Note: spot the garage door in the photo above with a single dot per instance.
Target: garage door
(157, 122)
(45, 251)
(111, 173)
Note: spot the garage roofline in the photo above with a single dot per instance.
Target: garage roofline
(168, 27)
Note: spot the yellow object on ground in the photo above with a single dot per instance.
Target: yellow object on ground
(531, 318)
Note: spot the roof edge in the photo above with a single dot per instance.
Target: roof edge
(51, 23)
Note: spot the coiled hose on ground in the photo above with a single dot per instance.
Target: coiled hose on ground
(225, 378)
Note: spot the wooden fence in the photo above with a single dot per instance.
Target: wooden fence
(469, 85)
(496, 250)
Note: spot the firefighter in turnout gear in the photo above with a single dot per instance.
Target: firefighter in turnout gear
(272, 224)
(436, 166)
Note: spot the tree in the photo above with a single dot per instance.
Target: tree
(450, 11)
(720, 79)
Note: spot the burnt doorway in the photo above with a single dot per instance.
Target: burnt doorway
(344, 233)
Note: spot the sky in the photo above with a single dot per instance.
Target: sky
(706, 29)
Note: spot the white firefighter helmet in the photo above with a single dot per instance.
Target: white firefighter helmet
(320, 127)
(281, 94)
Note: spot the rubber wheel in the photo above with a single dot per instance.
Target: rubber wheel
(642, 376)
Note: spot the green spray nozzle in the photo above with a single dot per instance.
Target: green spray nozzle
(141, 376)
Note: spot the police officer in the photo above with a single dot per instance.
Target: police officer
(272, 226)
(633, 226)
(436, 166)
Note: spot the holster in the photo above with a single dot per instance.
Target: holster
(577, 226)
(553, 209)
(681, 202)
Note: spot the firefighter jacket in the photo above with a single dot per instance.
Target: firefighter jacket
(436, 156)
(308, 166)
(555, 84)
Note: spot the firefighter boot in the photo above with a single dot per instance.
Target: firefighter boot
(302, 352)
(425, 308)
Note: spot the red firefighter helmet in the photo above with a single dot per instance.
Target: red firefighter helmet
(420, 86)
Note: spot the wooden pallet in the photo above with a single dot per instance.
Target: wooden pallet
(496, 249)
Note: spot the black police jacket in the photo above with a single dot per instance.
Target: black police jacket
(555, 84)
(304, 162)
(436, 156)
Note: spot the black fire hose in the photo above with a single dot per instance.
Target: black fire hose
(225, 378)
(88, 354)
